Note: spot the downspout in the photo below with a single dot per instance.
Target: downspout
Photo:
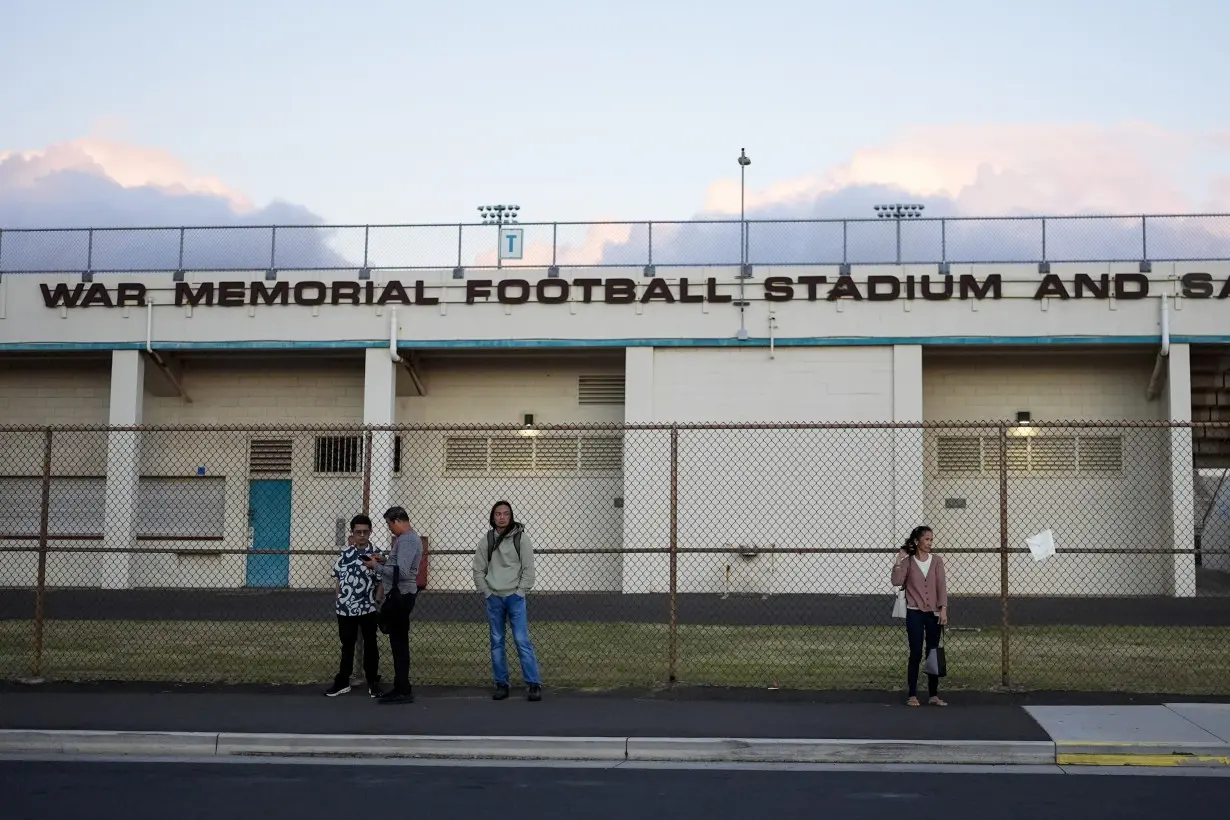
(155, 356)
(393, 335)
(149, 328)
(395, 356)
(1159, 366)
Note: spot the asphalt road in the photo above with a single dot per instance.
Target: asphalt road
(156, 791)
(698, 609)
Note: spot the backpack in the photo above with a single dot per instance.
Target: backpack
(491, 543)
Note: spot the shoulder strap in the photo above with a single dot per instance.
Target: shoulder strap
(491, 544)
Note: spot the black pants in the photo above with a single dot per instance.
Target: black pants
(917, 623)
(348, 629)
(397, 624)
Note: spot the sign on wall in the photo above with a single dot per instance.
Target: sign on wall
(511, 243)
(621, 290)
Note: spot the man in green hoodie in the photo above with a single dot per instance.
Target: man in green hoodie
(504, 573)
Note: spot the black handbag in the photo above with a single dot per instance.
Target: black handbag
(936, 663)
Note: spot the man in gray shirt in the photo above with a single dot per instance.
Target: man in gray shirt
(398, 574)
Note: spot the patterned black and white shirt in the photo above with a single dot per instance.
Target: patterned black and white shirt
(356, 583)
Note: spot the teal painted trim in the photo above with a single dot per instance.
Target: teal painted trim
(31, 347)
(559, 344)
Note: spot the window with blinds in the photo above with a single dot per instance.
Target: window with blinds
(544, 455)
(1033, 455)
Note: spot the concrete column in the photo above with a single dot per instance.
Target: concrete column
(646, 480)
(1182, 480)
(380, 407)
(122, 496)
(907, 444)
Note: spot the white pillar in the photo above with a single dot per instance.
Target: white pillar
(122, 497)
(1182, 481)
(907, 444)
(646, 480)
(380, 407)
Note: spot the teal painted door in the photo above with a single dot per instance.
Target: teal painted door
(269, 529)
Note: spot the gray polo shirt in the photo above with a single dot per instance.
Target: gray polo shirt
(406, 552)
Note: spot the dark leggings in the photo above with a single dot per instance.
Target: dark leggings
(917, 623)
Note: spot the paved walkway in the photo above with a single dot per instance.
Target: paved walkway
(452, 723)
(474, 713)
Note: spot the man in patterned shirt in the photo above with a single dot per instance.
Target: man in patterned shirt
(356, 608)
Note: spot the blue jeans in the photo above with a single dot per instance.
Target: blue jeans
(511, 610)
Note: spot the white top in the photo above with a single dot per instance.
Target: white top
(925, 566)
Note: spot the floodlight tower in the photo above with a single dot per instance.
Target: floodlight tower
(499, 215)
(898, 213)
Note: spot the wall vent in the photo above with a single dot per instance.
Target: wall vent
(600, 389)
(270, 456)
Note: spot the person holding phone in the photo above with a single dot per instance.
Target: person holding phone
(355, 604)
(921, 573)
(398, 574)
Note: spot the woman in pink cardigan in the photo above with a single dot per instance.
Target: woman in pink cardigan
(921, 573)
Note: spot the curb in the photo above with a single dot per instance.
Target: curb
(1120, 753)
(611, 749)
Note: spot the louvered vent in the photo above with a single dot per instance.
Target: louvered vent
(1030, 455)
(533, 454)
(1101, 454)
(512, 453)
(270, 456)
(1018, 454)
(465, 454)
(600, 389)
(958, 455)
(1052, 454)
(555, 454)
(604, 454)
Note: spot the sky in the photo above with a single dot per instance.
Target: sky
(374, 111)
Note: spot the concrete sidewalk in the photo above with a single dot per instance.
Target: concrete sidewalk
(578, 726)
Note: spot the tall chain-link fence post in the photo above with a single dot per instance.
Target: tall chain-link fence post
(1004, 653)
(359, 653)
(367, 473)
(674, 548)
(44, 524)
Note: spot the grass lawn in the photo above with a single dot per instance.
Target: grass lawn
(1190, 660)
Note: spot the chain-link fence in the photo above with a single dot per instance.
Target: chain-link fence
(736, 555)
(697, 243)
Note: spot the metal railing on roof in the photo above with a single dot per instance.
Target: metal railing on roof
(646, 244)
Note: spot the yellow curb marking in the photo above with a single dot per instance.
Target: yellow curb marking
(1087, 759)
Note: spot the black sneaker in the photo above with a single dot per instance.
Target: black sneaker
(337, 689)
(534, 692)
(501, 691)
(396, 697)
(375, 691)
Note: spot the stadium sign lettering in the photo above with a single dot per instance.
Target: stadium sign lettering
(616, 291)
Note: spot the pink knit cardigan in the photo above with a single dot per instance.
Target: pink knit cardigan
(928, 594)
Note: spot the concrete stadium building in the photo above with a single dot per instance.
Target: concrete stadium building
(553, 380)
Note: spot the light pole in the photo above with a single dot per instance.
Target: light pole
(898, 213)
(744, 161)
(499, 215)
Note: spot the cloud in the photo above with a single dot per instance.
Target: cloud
(103, 183)
(970, 172)
(974, 171)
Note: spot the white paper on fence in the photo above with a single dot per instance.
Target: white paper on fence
(1042, 545)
